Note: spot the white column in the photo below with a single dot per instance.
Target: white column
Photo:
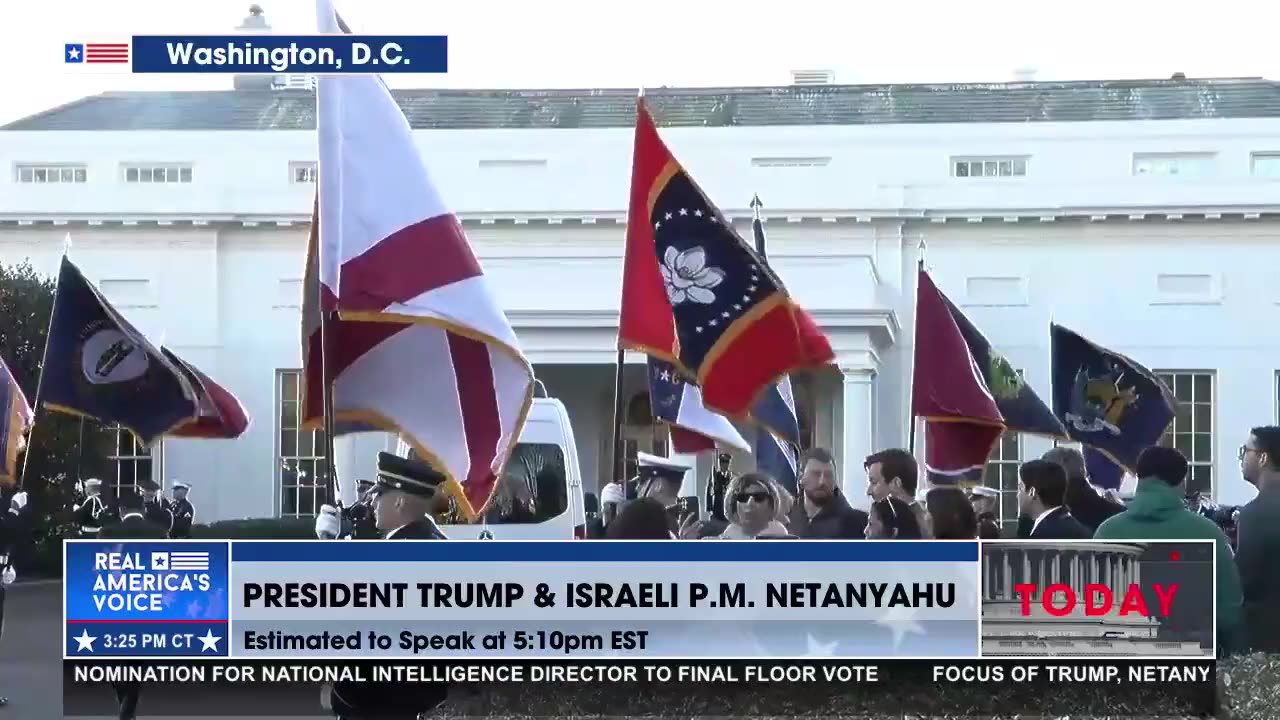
(986, 576)
(857, 442)
(1006, 579)
(1137, 572)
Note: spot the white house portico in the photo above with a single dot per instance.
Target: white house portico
(1141, 214)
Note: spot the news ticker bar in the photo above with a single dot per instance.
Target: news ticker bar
(951, 687)
(385, 601)
(267, 54)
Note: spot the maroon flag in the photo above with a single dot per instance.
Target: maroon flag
(221, 415)
(948, 390)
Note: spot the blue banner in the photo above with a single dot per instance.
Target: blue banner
(133, 598)
(279, 54)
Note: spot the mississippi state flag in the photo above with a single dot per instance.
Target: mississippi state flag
(696, 295)
(679, 404)
(221, 415)
(421, 347)
(949, 391)
(15, 421)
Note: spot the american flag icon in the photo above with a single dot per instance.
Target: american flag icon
(180, 561)
(117, 53)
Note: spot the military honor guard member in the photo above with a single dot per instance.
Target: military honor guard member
(184, 513)
(132, 525)
(154, 507)
(402, 498)
(354, 522)
(91, 513)
(660, 478)
(13, 530)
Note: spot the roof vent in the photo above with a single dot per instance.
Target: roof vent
(1179, 76)
(254, 24)
(812, 77)
(1024, 74)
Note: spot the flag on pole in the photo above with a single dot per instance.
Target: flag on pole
(679, 404)
(15, 420)
(221, 414)
(431, 355)
(949, 391)
(778, 425)
(1107, 401)
(98, 365)
(696, 295)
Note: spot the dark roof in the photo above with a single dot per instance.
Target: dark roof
(702, 107)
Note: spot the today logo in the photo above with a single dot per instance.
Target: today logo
(1098, 599)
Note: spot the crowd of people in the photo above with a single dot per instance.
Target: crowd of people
(1056, 501)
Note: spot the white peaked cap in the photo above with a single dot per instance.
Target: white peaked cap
(179, 485)
(984, 491)
(92, 482)
(645, 460)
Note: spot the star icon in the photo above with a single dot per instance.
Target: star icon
(816, 648)
(84, 641)
(901, 622)
(73, 53)
(666, 376)
(209, 641)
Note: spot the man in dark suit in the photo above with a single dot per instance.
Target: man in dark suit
(1083, 500)
(132, 525)
(1042, 491)
(402, 498)
(1258, 533)
(154, 507)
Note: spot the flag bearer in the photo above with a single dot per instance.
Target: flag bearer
(154, 508)
(184, 513)
(91, 513)
(402, 499)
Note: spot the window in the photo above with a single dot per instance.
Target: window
(50, 173)
(1265, 165)
(1180, 165)
(1001, 474)
(790, 162)
(977, 167)
(300, 453)
(1192, 428)
(131, 461)
(302, 173)
(157, 173)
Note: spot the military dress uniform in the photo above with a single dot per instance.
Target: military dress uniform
(92, 513)
(358, 522)
(13, 530)
(184, 513)
(396, 701)
(154, 508)
(133, 525)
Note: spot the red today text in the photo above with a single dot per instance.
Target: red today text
(1098, 599)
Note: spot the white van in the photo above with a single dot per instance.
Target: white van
(539, 496)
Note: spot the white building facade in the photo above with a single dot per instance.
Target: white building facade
(1144, 215)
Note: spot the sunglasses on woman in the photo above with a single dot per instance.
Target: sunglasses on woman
(760, 497)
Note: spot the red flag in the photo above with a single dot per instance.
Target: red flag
(962, 421)
(695, 294)
(222, 416)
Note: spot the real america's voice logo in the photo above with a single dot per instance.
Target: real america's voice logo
(146, 598)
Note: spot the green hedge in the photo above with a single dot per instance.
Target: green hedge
(257, 529)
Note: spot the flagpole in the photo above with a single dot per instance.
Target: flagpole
(915, 337)
(617, 466)
(44, 357)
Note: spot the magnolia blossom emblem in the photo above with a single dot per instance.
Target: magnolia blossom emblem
(688, 278)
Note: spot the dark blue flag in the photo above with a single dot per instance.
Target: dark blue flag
(1103, 473)
(1105, 400)
(1022, 409)
(99, 366)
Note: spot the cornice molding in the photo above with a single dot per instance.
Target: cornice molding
(618, 219)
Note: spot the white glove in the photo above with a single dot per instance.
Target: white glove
(328, 523)
(19, 501)
(9, 576)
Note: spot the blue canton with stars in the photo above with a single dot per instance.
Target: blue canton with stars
(666, 390)
(712, 277)
(73, 53)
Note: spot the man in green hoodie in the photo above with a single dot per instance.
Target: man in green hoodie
(1158, 512)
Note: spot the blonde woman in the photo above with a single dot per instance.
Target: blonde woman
(753, 502)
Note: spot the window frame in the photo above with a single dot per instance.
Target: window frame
(1138, 157)
(138, 453)
(145, 173)
(79, 173)
(317, 458)
(1169, 438)
(311, 169)
(1254, 157)
(996, 161)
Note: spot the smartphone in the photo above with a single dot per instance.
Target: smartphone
(688, 506)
